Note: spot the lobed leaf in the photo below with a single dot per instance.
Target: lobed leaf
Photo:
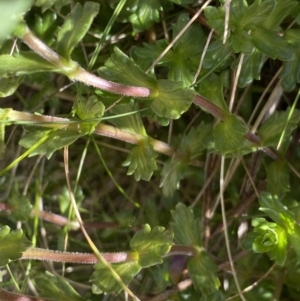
(119, 68)
(151, 245)
(141, 161)
(147, 13)
(203, 273)
(230, 136)
(172, 99)
(104, 282)
(277, 211)
(12, 245)
(90, 108)
(185, 226)
(76, 25)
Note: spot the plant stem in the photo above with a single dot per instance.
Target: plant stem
(76, 73)
(75, 257)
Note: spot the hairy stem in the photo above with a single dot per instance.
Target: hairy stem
(75, 257)
(76, 73)
(8, 296)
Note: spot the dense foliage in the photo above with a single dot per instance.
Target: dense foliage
(154, 146)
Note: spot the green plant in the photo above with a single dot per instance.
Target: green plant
(149, 92)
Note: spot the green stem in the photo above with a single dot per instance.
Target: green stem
(8, 296)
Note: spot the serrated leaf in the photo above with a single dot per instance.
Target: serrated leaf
(141, 161)
(211, 87)
(203, 272)
(12, 245)
(171, 174)
(172, 99)
(271, 131)
(151, 245)
(278, 179)
(272, 44)
(242, 42)
(290, 74)
(131, 123)
(277, 211)
(90, 108)
(75, 27)
(186, 227)
(104, 282)
(230, 136)
(146, 14)
(251, 68)
(121, 69)
(57, 288)
(23, 63)
(56, 140)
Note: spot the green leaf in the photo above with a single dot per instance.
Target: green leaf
(186, 53)
(131, 123)
(4, 117)
(294, 239)
(151, 245)
(278, 179)
(230, 136)
(186, 227)
(271, 131)
(141, 161)
(197, 140)
(171, 174)
(23, 63)
(57, 139)
(251, 68)
(90, 108)
(217, 55)
(172, 99)
(12, 245)
(203, 272)
(282, 9)
(215, 18)
(57, 288)
(46, 4)
(256, 14)
(272, 44)
(8, 86)
(10, 15)
(211, 87)
(104, 282)
(21, 207)
(76, 25)
(277, 211)
(271, 238)
(119, 68)
(214, 296)
(146, 14)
